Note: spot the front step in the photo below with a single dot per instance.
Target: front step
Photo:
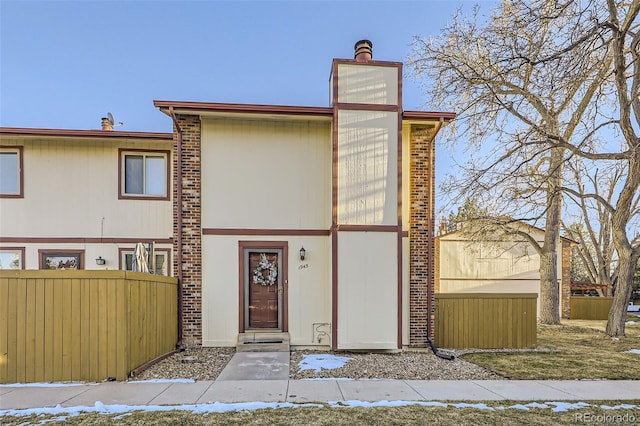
(263, 342)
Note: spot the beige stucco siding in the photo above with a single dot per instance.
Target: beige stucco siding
(367, 290)
(367, 168)
(492, 260)
(309, 288)
(71, 190)
(489, 267)
(364, 84)
(406, 280)
(406, 175)
(266, 174)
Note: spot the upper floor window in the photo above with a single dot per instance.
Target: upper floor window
(11, 172)
(144, 174)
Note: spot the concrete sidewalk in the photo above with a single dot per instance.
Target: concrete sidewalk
(264, 377)
(301, 391)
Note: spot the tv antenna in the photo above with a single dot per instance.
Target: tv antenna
(112, 121)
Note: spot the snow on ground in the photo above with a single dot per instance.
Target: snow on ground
(218, 407)
(135, 382)
(45, 385)
(634, 351)
(322, 362)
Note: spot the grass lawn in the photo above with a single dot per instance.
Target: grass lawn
(495, 413)
(581, 351)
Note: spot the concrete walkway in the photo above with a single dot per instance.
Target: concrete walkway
(301, 391)
(264, 377)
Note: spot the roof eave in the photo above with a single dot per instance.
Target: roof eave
(214, 108)
(25, 131)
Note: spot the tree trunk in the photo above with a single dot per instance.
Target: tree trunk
(627, 255)
(549, 294)
(549, 291)
(618, 312)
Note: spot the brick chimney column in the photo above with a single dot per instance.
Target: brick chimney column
(191, 228)
(421, 243)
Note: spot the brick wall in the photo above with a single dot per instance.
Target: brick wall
(191, 228)
(436, 259)
(565, 291)
(421, 269)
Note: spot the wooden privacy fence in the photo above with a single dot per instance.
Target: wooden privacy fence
(83, 325)
(590, 308)
(485, 320)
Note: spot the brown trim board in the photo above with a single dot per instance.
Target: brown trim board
(334, 207)
(262, 232)
(82, 240)
(399, 200)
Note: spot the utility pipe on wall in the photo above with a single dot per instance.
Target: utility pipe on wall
(430, 230)
(178, 219)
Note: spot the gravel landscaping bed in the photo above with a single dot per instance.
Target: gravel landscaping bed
(207, 363)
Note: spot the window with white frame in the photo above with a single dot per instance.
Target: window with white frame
(10, 171)
(160, 267)
(12, 258)
(144, 174)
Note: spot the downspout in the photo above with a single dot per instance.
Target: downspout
(179, 220)
(432, 263)
(430, 228)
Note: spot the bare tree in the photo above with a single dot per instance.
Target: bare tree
(523, 80)
(620, 30)
(624, 25)
(591, 222)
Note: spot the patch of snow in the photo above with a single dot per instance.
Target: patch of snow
(632, 323)
(477, 406)
(44, 385)
(341, 378)
(322, 362)
(99, 407)
(370, 404)
(619, 407)
(62, 413)
(163, 381)
(537, 405)
(634, 351)
(520, 407)
(566, 406)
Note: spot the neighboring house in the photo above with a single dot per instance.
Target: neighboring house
(508, 265)
(581, 288)
(75, 199)
(310, 221)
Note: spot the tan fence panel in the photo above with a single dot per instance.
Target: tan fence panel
(485, 320)
(83, 325)
(590, 308)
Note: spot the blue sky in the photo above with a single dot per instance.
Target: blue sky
(65, 64)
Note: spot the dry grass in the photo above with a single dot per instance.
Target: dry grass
(581, 351)
(410, 415)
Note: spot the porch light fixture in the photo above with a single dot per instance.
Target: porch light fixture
(100, 261)
(303, 253)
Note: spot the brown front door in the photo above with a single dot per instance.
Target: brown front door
(264, 289)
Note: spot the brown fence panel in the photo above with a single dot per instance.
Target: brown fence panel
(485, 320)
(590, 308)
(83, 325)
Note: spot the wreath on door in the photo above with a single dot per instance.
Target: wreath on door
(266, 273)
